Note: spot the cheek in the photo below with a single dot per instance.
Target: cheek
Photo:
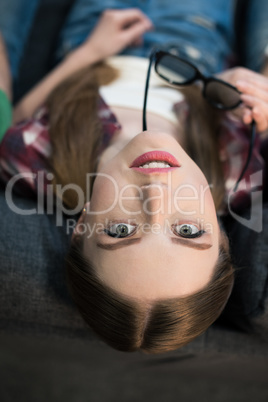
(104, 193)
(193, 196)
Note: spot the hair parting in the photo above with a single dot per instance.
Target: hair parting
(126, 324)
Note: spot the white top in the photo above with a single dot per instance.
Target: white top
(128, 89)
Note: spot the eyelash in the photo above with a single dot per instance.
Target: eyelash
(108, 232)
(190, 236)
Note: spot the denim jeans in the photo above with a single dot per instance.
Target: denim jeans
(255, 38)
(200, 31)
(16, 18)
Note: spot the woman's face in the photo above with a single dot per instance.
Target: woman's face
(166, 221)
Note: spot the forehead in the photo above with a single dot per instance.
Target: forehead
(154, 268)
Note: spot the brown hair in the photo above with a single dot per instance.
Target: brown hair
(123, 323)
(75, 129)
(129, 325)
(201, 127)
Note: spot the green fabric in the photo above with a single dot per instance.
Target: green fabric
(5, 114)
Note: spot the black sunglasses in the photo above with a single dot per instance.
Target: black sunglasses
(218, 93)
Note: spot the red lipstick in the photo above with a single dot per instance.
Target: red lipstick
(153, 156)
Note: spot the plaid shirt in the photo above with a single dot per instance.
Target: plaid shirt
(26, 148)
(234, 145)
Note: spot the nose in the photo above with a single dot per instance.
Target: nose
(155, 201)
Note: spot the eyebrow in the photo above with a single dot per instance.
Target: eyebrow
(187, 243)
(119, 244)
(128, 242)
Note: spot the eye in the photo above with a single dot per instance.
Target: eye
(187, 230)
(120, 230)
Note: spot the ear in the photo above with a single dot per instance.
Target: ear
(79, 228)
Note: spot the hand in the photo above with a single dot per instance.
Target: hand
(116, 30)
(254, 89)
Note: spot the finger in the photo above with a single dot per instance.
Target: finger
(250, 89)
(134, 32)
(132, 15)
(259, 111)
(247, 116)
(252, 78)
(260, 118)
(252, 101)
(243, 113)
(240, 111)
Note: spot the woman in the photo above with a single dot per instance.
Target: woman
(123, 297)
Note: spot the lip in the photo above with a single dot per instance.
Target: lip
(151, 156)
(154, 170)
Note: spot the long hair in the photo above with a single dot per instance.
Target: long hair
(75, 129)
(123, 323)
(155, 327)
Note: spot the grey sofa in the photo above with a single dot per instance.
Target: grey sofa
(47, 353)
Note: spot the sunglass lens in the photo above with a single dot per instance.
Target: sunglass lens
(221, 95)
(175, 70)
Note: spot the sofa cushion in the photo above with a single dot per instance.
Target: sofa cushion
(33, 292)
(32, 289)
